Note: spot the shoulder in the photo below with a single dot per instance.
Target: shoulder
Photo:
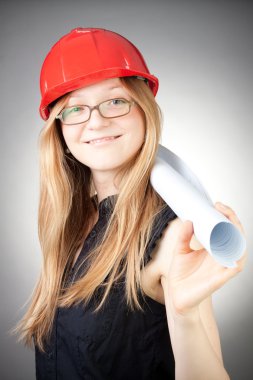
(160, 224)
(162, 255)
(160, 258)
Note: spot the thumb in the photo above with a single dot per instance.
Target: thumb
(185, 236)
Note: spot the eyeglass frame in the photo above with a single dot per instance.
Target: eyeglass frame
(96, 107)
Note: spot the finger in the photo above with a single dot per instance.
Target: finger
(184, 238)
(195, 243)
(230, 214)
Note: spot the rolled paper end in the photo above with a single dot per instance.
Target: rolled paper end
(174, 182)
(227, 244)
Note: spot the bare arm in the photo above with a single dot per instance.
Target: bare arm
(188, 279)
(195, 342)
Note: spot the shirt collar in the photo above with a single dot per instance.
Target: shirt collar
(107, 204)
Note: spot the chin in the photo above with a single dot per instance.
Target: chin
(104, 168)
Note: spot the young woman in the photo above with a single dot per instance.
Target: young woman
(125, 290)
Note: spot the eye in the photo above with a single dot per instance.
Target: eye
(117, 102)
(71, 111)
(75, 109)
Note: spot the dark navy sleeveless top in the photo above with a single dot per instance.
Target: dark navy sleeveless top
(115, 343)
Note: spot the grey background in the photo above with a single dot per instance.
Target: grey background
(202, 53)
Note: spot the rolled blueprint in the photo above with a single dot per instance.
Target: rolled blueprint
(174, 181)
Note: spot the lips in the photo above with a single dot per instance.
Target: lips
(101, 139)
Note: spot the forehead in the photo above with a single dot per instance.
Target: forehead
(98, 88)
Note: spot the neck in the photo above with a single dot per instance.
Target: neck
(105, 185)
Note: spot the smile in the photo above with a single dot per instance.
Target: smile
(102, 140)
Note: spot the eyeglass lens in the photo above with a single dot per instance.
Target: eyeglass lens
(108, 109)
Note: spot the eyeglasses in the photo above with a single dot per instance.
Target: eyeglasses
(108, 109)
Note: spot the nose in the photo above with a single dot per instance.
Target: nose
(96, 121)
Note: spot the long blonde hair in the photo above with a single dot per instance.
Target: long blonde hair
(66, 215)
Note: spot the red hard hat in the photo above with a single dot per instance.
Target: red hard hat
(85, 56)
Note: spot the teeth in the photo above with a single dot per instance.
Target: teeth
(101, 140)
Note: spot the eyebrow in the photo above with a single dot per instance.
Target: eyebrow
(109, 89)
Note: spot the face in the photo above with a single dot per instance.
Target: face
(102, 144)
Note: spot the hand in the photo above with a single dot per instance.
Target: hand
(194, 275)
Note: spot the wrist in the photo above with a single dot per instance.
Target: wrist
(186, 317)
(176, 311)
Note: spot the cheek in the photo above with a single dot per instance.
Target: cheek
(138, 132)
(71, 134)
(142, 132)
